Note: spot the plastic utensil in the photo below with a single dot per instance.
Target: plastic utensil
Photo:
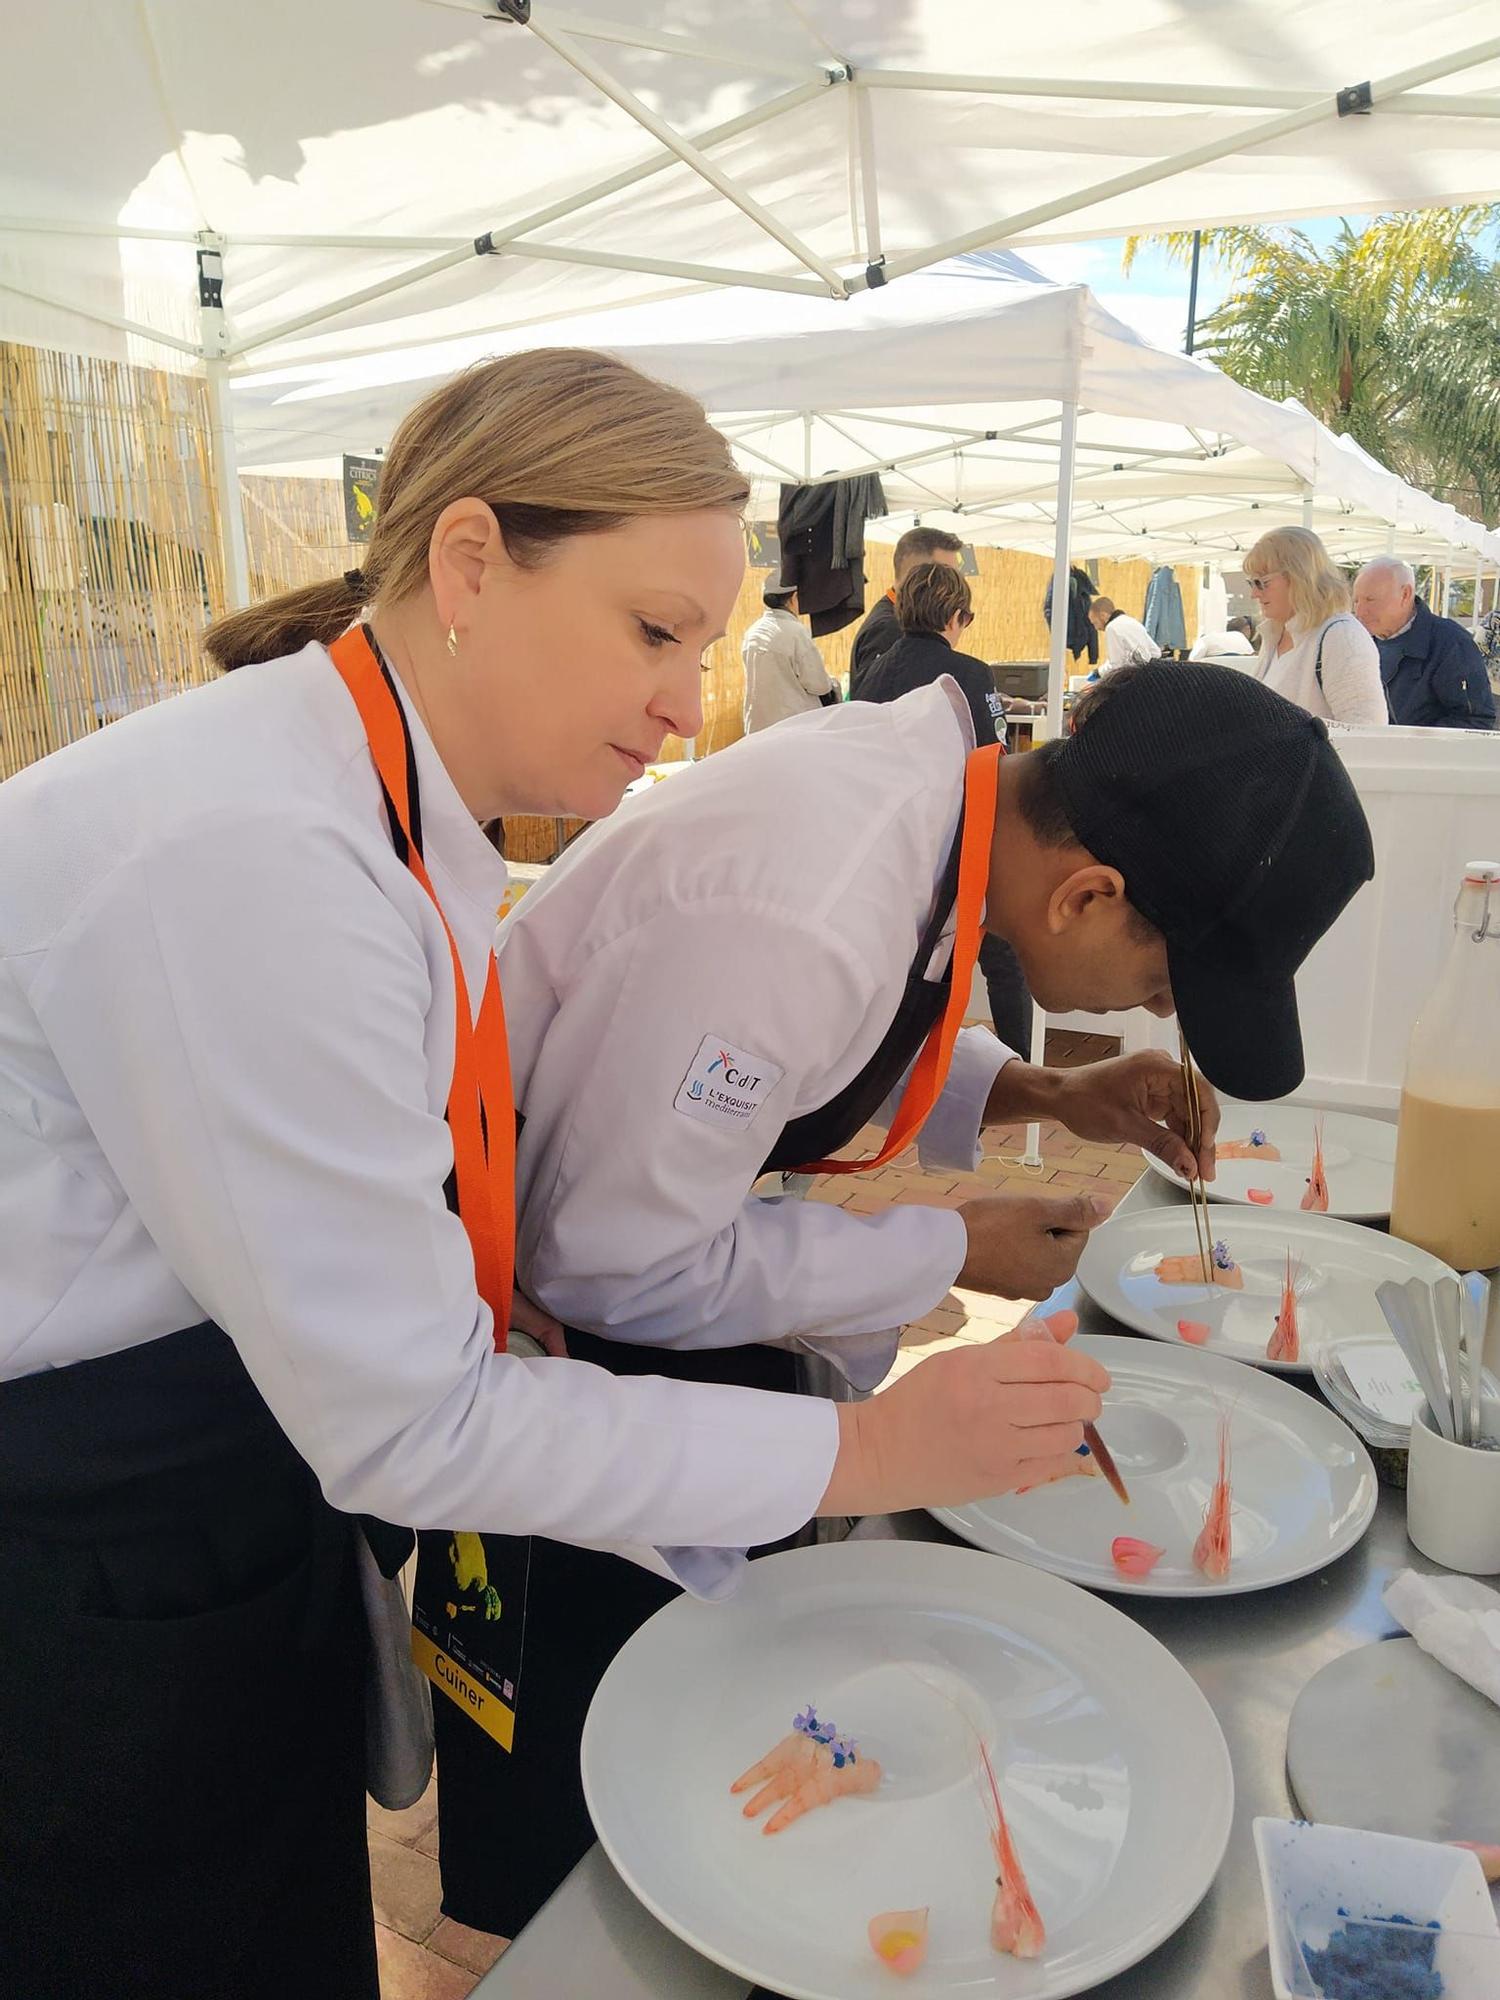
(1402, 1318)
(1447, 1305)
(1476, 1311)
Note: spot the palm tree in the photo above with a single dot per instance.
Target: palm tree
(1390, 332)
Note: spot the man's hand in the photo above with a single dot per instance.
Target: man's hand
(1139, 1101)
(1024, 1245)
(528, 1317)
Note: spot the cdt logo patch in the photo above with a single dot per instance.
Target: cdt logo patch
(725, 1085)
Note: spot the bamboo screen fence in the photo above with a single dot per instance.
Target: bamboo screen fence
(109, 547)
(110, 562)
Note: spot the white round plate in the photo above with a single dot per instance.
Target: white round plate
(1359, 1160)
(1112, 1769)
(1341, 1266)
(1301, 1483)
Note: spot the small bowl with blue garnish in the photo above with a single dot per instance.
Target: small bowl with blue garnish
(1371, 1916)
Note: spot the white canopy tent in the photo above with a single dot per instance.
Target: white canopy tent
(375, 173)
(289, 188)
(955, 388)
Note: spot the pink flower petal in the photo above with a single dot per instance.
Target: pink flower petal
(1133, 1558)
(899, 1937)
(1195, 1331)
(1489, 1857)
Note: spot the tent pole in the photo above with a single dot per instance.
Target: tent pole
(564, 47)
(214, 334)
(1117, 90)
(1324, 108)
(1067, 453)
(137, 329)
(1307, 506)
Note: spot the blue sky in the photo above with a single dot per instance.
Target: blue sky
(1153, 299)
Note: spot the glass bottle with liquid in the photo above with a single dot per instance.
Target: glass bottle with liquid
(1447, 1194)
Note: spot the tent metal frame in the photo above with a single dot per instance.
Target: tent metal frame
(575, 39)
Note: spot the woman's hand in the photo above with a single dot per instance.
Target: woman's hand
(966, 1424)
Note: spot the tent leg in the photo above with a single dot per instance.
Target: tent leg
(214, 337)
(1307, 506)
(227, 486)
(1067, 455)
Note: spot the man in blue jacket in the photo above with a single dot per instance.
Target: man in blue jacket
(1433, 672)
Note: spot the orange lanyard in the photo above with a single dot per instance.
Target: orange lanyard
(481, 1108)
(930, 1070)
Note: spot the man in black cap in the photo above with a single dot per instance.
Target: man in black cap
(735, 974)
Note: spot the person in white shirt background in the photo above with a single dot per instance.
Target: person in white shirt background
(1313, 649)
(239, 1074)
(1127, 643)
(1235, 642)
(784, 671)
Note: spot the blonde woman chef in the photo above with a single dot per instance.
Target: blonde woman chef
(255, 1214)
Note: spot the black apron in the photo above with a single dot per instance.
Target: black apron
(181, 1692)
(512, 1824)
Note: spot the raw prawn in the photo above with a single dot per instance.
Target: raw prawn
(1285, 1342)
(811, 1767)
(1211, 1550)
(1133, 1558)
(1316, 1198)
(1015, 1922)
(899, 1937)
(1189, 1270)
(1256, 1147)
(1193, 1331)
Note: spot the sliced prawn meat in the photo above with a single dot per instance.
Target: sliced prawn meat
(802, 1774)
(1189, 1271)
(1245, 1149)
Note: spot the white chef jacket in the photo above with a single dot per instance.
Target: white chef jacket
(784, 671)
(765, 906)
(226, 1045)
(1127, 643)
(1222, 646)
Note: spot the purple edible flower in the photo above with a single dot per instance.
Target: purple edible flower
(1257, 1137)
(1222, 1257)
(806, 1724)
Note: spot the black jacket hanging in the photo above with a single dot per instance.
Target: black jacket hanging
(822, 534)
(1083, 635)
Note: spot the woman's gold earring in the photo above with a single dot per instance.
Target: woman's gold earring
(452, 642)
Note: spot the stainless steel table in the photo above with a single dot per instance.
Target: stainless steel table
(1250, 1655)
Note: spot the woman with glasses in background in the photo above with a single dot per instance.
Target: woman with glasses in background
(1313, 649)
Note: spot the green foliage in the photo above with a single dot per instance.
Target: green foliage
(1391, 332)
